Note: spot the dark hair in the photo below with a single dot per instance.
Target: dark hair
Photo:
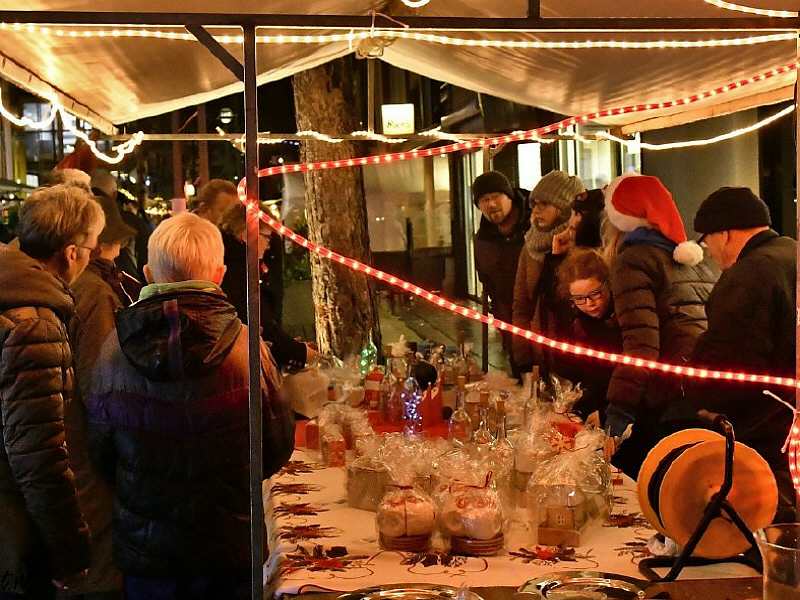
(208, 194)
(580, 263)
(234, 221)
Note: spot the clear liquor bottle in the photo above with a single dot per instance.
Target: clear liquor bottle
(483, 437)
(460, 426)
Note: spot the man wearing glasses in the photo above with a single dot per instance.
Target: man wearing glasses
(751, 324)
(43, 537)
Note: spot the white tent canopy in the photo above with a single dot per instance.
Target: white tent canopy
(113, 80)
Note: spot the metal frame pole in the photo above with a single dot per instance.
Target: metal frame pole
(253, 316)
(365, 21)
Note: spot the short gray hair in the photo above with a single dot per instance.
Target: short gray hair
(54, 217)
(185, 247)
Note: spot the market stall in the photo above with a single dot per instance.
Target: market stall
(317, 541)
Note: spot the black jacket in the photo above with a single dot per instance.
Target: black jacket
(42, 533)
(602, 334)
(751, 327)
(168, 427)
(497, 255)
(287, 351)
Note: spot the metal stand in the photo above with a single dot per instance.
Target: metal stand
(716, 507)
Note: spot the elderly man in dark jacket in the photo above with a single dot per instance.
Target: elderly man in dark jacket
(660, 283)
(751, 325)
(168, 424)
(43, 536)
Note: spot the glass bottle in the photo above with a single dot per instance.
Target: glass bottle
(460, 426)
(412, 402)
(483, 437)
(502, 444)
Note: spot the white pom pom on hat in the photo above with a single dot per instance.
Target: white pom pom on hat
(688, 253)
(634, 200)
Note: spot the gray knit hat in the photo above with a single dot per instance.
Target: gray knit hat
(559, 189)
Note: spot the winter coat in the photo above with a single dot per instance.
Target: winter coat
(42, 532)
(660, 306)
(497, 257)
(538, 307)
(751, 328)
(98, 296)
(594, 375)
(168, 427)
(287, 351)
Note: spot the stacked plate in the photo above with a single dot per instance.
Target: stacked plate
(473, 547)
(407, 543)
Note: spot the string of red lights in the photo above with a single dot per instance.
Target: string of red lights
(533, 337)
(521, 136)
(469, 313)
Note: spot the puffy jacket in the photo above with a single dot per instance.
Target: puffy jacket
(42, 533)
(497, 256)
(98, 296)
(660, 307)
(168, 426)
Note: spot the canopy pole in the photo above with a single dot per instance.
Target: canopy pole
(371, 94)
(253, 316)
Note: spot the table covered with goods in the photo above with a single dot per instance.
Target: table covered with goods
(429, 472)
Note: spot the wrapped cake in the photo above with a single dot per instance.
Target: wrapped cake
(472, 517)
(406, 519)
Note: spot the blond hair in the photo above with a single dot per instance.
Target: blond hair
(185, 247)
(54, 217)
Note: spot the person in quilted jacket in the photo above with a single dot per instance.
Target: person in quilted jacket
(168, 424)
(44, 541)
(660, 284)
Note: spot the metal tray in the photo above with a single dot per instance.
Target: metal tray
(412, 591)
(582, 585)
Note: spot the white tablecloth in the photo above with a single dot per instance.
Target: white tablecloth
(319, 543)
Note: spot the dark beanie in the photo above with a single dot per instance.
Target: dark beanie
(731, 208)
(491, 182)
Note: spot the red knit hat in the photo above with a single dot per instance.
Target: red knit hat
(634, 200)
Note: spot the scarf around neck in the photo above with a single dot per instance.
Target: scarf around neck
(538, 243)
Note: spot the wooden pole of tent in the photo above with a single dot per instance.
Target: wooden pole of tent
(253, 316)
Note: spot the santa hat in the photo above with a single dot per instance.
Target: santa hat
(634, 201)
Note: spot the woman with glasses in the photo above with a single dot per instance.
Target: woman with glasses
(583, 281)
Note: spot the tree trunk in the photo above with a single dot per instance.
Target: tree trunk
(326, 101)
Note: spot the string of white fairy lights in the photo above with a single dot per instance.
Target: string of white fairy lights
(718, 3)
(55, 109)
(632, 144)
(356, 35)
(764, 12)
